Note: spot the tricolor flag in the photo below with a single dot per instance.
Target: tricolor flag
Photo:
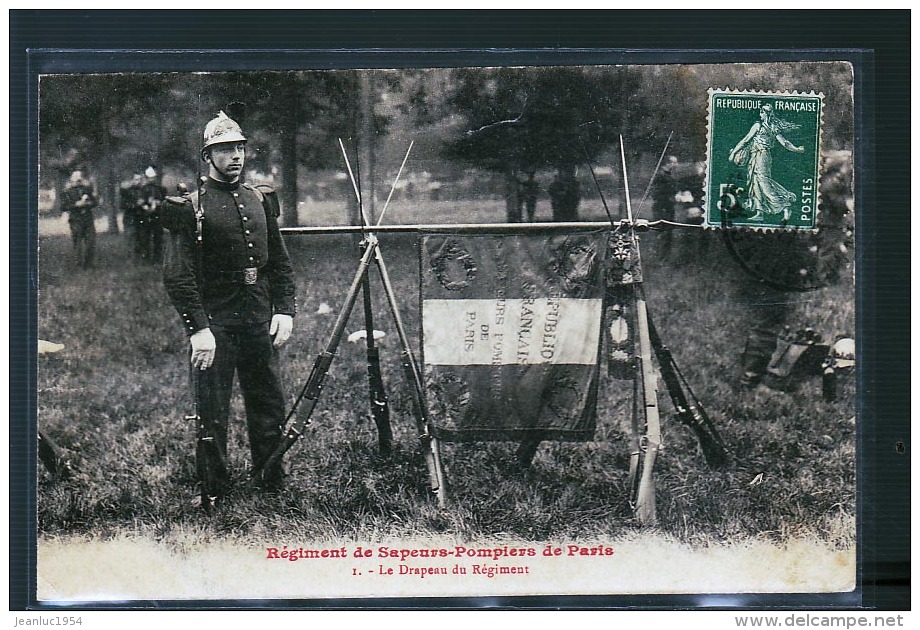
(511, 334)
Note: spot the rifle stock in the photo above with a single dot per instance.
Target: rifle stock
(635, 450)
(304, 407)
(645, 500)
(380, 406)
(714, 451)
(419, 404)
(210, 462)
(311, 390)
(692, 416)
(422, 424)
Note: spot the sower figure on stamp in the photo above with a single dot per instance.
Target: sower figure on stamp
(78, 201)
(229, 276)
(766, 196)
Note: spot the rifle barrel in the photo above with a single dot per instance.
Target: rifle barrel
(481, 228)
(629, 212)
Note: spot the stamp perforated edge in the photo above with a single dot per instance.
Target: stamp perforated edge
(819, 167)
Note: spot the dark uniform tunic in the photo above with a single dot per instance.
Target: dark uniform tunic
(565, 195)
(78, 202)
(131, 208)
(245, 277)
(130, 203)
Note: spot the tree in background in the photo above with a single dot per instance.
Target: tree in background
(99, 123)
(521, 119)
(113, 125)
(525, 119)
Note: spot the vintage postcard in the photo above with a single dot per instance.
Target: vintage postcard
(447, 332)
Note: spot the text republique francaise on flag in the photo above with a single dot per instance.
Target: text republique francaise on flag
(511, 333)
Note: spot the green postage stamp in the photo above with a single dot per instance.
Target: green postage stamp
(763, 159)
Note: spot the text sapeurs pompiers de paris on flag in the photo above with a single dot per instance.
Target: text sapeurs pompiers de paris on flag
(511, 334)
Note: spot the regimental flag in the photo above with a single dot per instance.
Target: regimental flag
(511, 333)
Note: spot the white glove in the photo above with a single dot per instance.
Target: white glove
(281, 328)
(203, 347)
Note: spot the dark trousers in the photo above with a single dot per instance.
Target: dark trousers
(768, 309)
(666, 237)
(530, 206)
(83, 234)
(246, 352)
(129, 221)
(565, 210)
(149, 234)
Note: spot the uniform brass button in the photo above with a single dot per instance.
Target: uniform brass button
(245, 218)
(248, 232)
(251, 245)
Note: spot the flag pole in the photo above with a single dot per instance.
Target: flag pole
(645, 499)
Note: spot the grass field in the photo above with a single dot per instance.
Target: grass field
(115, 398)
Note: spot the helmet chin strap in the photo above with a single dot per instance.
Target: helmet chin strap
(219, 175)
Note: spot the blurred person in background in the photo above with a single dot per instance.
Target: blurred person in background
(149, 224)
(78, 200)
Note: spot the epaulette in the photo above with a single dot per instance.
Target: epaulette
(269, 198)
(177, 213)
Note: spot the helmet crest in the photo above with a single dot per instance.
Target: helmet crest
(222, 129)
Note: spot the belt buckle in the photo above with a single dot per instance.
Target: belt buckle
(250, 275)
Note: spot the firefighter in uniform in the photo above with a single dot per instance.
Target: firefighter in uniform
(78, 201)
(530, 190)
(149, 223)
(565, 194)
(229, 276)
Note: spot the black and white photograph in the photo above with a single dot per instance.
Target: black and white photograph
(471, 331)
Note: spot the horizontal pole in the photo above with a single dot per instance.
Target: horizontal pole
(478, 228)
